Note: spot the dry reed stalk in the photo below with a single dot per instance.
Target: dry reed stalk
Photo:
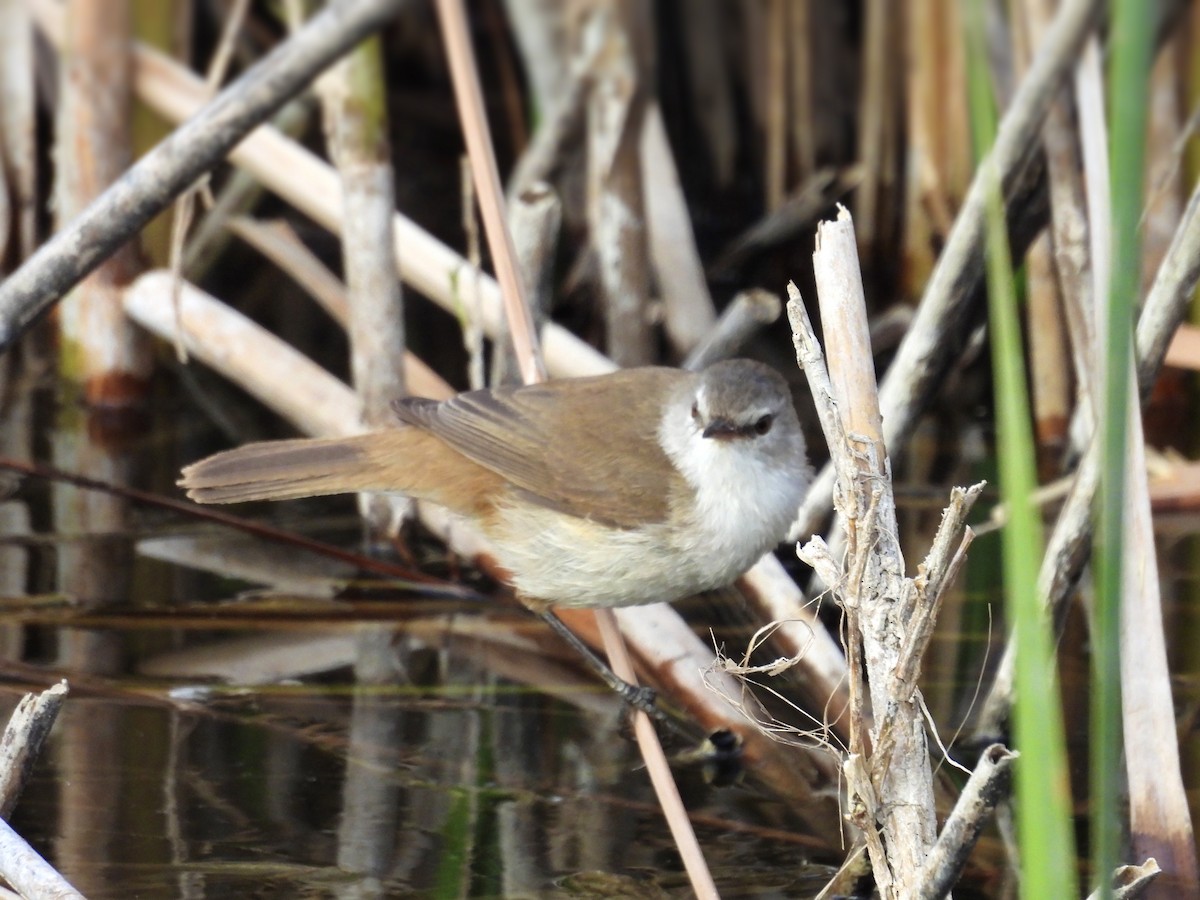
(1068, 215)
(99, 351)
(897, 793)
(18, 132)
(688, 309)
(535, 219)
(469, 101)
(354, 101)
(748, 312)
(1160, 822)
(890, 619)
(26, 870)
(183, 209)
(615, 207)
(27, 729)
(1050, 375)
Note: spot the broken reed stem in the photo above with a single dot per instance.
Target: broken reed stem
(987, 785)
(889, 618)
(27, 728)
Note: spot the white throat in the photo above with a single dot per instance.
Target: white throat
(747, 491)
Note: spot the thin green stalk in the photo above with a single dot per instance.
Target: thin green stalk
(1046, 845)
(1130, 36)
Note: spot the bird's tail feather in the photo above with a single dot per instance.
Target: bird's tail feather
(285, 470)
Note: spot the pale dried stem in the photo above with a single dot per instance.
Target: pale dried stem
(876, 118)
(688, 309)
(748, 313)
(25, 869)
(535, 219)
(24, 735)
(615, 207)
(986, 787)
(183, 210)
(469, 307)
(18, 127)
(354, 101)
(889, 618)
(100, 351)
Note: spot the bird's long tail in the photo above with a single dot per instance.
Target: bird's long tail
(285, 470)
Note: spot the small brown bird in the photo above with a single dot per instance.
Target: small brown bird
(638, 486)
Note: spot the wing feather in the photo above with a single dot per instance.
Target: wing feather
(530, 435)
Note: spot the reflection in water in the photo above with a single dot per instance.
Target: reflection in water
(473, 787)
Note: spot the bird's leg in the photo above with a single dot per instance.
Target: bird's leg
(637, 696)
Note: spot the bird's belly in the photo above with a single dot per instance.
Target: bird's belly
(567, 561)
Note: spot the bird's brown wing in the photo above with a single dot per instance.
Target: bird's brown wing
(568, 444)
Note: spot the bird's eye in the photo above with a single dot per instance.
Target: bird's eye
(763, 425)
(696, 411)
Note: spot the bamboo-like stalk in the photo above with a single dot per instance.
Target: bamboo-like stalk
(99, 350)
(900, 778)
(688, 310)
(615, 206)
(355, 106)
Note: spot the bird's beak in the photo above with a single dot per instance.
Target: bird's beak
(721, 429)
